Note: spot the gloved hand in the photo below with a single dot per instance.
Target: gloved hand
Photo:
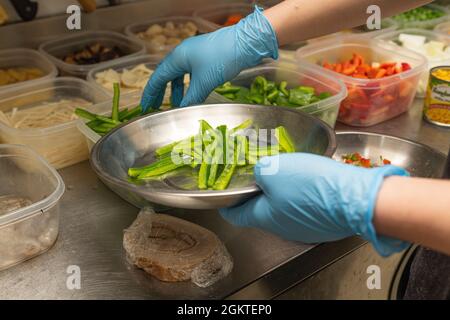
(316, 199)
(211, 59)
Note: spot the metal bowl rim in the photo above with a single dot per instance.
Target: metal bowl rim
(329, 152)
(368, 133)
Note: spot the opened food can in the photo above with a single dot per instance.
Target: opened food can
(437, 100)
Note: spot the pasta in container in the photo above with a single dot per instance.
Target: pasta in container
(42, 116)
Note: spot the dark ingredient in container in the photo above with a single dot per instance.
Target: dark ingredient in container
(94, 53)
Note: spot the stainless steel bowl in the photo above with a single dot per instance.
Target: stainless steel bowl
(133, 144)
(418, 159)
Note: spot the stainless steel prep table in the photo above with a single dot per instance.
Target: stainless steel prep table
(93, 219)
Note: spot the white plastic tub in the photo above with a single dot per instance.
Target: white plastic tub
(27, 231)
(61, 145)
(21, 57)
(56, 49)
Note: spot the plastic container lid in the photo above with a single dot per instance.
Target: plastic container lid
(216, 15)
(427, 24)
(61, 145)
(376, 108)
(58, 48)
(295, 75)
(430, 36)
(22, 57)
(132, 30)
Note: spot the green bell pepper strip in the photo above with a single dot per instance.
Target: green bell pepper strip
(284, 139)
(242, 126)
(227, 87)
(259, 85)
(256, 98)
(283, 88)
(107, 120)
(115, 104)
(230, 96)
(219, 155)
(136, 171)
(273, 95)
(204, 171)
(160, 170)
(225, 177)
(130, 114)
(300, 97)
(82, 113)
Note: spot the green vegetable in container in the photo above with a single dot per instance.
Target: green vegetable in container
(222, 151)
(102, 124)
(266, 92)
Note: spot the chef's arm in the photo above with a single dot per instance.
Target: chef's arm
(415, 210)
(296, 20)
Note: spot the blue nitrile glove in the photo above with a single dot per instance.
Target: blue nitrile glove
(315, 199)
(211, 59)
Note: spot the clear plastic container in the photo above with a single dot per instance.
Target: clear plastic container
(133, 29)
(387, 25)
(104, 108)
(58, 48)
(21, 57)
(369, 101)
(61, 145)
(430, 36)
(216, 15)
(427, 24)
(31, 228)
(150, 61)
(443, 28)
(326, 110)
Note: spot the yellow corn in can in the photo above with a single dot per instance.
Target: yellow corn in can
(437, 100)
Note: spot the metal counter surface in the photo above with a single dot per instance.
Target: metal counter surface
(93, 219)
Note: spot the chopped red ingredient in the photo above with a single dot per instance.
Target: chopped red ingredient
(233, 19)
(357, 68)
(358, 160)
(373, 100)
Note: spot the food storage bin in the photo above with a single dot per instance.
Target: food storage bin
(133, 29)
(58, 48)
(326, 110)
(21, 57)
(430, 36)
(104, 108)
(369, 101)
(150, 61)
(427, 24)
(30, 195)
(387, 25)
(61, 145)
(216, 15)
(443, 28)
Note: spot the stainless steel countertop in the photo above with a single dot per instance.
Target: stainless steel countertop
(93, 219)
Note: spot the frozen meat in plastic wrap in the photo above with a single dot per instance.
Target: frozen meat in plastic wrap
(172, 249)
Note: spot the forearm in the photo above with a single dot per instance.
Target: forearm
(415, 210)
(296, 20)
